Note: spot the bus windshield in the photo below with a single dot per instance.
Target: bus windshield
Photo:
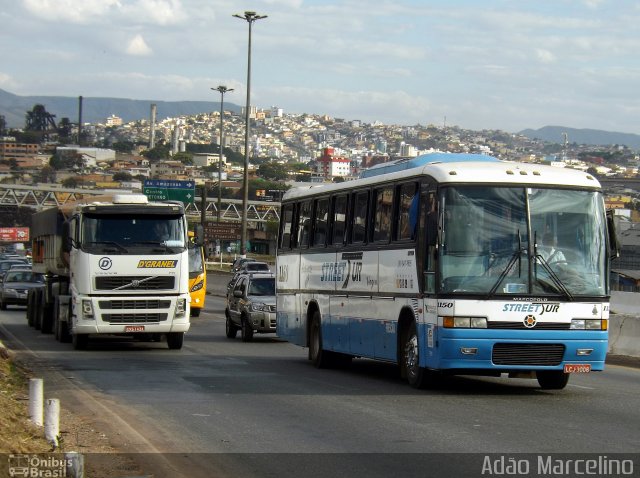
(524, 241)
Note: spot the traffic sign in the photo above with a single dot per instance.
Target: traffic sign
(169, 190)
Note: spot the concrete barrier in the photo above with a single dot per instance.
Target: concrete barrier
(627, 303)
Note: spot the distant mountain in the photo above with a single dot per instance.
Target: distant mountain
(553, 134)
(97, 110)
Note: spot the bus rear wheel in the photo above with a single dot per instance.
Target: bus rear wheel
(552, 379)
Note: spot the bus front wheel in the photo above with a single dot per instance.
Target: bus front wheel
(552, 379)
(418, 377)
(318, 356)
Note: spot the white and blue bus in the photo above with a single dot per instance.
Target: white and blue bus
(449, 264)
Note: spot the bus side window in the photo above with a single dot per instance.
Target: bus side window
(321, 223)
(339, 219)
(407, 216)
(287, 224)
(359, 217)
(382, 214)
(304, 224)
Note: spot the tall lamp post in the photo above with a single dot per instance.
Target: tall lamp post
(222, 89)
(250, 17)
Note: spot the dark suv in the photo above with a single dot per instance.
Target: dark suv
(251, 306)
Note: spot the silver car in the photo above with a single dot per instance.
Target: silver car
(15, 286)
(251, 306)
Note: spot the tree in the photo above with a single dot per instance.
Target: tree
(273, 171)
(158, 152)
(122, 176)
(184, 158)
(71, 182)
(47, 175)
(67, 161)
(123, 146)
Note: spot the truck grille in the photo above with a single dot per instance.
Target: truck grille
(134, 318)
(134, 304)
(527, 354)
(134, 283)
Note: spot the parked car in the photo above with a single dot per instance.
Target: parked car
(15, 286)
(251, 306)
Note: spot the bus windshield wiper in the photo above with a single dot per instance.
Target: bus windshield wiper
(554, 277)
(517, 256)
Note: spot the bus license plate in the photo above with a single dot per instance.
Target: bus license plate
(577, 368)
(134, 328)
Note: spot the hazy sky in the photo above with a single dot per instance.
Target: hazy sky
(498, 64)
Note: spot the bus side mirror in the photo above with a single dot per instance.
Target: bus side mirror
(614, 245)
(198, 238)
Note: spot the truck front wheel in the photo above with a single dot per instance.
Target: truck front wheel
(175, 340)
(80, 341)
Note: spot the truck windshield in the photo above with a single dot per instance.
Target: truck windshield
(125, 232)
(510, 240)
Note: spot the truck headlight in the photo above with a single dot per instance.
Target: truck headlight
(181, 307)
(87, 309)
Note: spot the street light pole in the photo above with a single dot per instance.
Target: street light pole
(250, 17)
(222, 89)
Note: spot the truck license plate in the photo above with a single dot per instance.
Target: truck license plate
(577, 368)
(134, 328)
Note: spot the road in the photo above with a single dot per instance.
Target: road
(221, 407)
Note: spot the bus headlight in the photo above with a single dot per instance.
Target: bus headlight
(87, 309)
(589, 324)
(181, 307)
(197, 286)
(464, 322)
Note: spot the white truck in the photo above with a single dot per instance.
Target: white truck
(114, 266)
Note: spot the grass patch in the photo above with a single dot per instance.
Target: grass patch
(17, 433)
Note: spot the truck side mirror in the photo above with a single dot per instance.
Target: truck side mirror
(67, 241)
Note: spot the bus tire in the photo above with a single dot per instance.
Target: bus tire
(247, 331)
(195, 312)
(552, 379)
(319, 357)
(175, 340)
(230, 329)
(418, 377)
